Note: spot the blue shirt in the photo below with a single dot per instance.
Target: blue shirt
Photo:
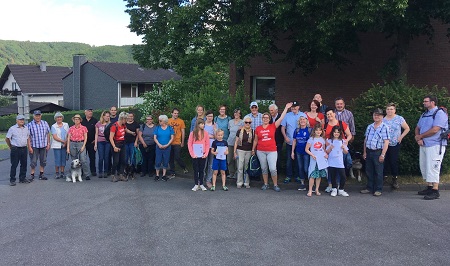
(222, 123)
(216, 143)
(290, 122)
(18, 136)
(375, 137)
(301, 138)
(163, 135)
(38, 133)
(426, 122)
(395, 128)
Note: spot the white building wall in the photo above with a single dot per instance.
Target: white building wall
(9, 83)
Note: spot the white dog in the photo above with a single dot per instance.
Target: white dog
(75, 171)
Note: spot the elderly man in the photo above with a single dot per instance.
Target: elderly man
(376, 143)
(17, 140)
(89, 122)
(279, 139)
(39, 144)
(288, 126)
(255, 115)
(431, 145)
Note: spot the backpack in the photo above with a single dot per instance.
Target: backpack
(254, 168)
(107, 131)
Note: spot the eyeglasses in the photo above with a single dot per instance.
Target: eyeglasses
(266, 117)
(247, 122)
(254, 107)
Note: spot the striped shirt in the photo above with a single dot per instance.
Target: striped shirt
(347, 117)
(375, 137)
(18, 135)
(256, 120)
(39, 133)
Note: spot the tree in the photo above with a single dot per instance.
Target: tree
(182, 33)
(4, 101)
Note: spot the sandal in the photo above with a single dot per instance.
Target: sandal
(318, 193)
(309, 194)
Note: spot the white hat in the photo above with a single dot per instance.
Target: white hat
(253, 104)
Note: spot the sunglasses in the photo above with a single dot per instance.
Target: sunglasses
(248, 122)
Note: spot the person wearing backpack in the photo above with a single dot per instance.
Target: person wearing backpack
(266, 148)
(300, 138)
(117, 140)
(243, 150)
(431, 145)
(148, 146)
(102, 146)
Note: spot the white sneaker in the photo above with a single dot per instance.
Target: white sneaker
(195, 188)
(203, 187)
(328, 189)
(343, 193)
(334, 192)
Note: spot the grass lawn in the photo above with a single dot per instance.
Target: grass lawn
(3, 146)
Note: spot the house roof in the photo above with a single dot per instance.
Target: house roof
(123, 72)
(32, 80)
(43, 106)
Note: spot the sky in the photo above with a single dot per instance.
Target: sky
(95, 22)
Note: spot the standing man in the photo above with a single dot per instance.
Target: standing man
(113, 114)
(431, 146)
(288, 126)
(376, 144)
(345, 115)
(39, 144)
(89, 122)
(18, 140)
(178, 142)
(279, 139)
(322, 106)
(255, 115)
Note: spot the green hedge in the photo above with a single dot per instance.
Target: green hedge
(409, 101)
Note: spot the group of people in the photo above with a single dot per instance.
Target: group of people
(316, 145)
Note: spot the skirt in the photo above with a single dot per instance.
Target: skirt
(318, 173)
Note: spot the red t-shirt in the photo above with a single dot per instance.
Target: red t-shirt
(77, 133)
(329, 127)
(266, 138)
(119, 135)
(312, 121)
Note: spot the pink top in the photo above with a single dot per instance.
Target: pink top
(77, 134)
(101, 132)
(204, 141)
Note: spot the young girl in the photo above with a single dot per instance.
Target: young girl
(219, 160)
(318, 164)
(336, 148)
(198, 145)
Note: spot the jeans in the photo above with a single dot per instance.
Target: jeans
(374, 170)
(162, 157)
(75, 153)
(199, 167)
(103, 150)
(391, 160)
(268, 161)
(119, 158)
(291, 165)
(91, 153)
(333, 172)
(175, 156)
(129, 158)
(208, 167)
(18, 154)
(148, 159)
(244, 158)
(303, 164)
(60, 157)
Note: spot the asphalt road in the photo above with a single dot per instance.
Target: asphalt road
(144, 222)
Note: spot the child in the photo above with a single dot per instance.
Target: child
(198, 145)
(219, 162)
(336, 148)
(318, 164)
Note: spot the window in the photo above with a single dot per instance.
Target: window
(129, 90)
(13, 86)
(134, 90)
(144, 88)
(264, 88)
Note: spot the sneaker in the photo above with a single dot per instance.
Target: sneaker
(61, 176)
(395, 183)
(87, 178)
(239, 186)
(25, 181)
(225, 188)
(334, 192)
(377, 193)
(208, 184)
(434, 194)
(12, 183)
(276, 188)
(195, 188)
(287, 180)
(172, 176)
(298, 180)
(156, 178)
(264, 187)
(185, 171)
(365, 191)
(302, 187)
(343, 193)
(247, 185)
(213, 188)
(164, 178)
(57, 176)
(203, 187)
(425, 191)
(328, 189)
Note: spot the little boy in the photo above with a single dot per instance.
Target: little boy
(219, 148)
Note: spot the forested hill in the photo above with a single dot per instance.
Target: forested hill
(59, 53)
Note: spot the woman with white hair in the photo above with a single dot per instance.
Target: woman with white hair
(163, 136)
(59, 141)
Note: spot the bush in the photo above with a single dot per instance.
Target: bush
(409, 105)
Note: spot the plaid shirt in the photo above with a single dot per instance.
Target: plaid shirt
(38, 133)
(375, 137)
(347, 117)
(256, 120)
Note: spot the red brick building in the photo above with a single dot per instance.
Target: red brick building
(428, 64)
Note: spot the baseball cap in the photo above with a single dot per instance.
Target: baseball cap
(20, 117)
(377, 111)
(295, 103)
(89, 109)
(303, 115)
(37, 112)
(253, 104)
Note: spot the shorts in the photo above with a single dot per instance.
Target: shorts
(219, 165)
